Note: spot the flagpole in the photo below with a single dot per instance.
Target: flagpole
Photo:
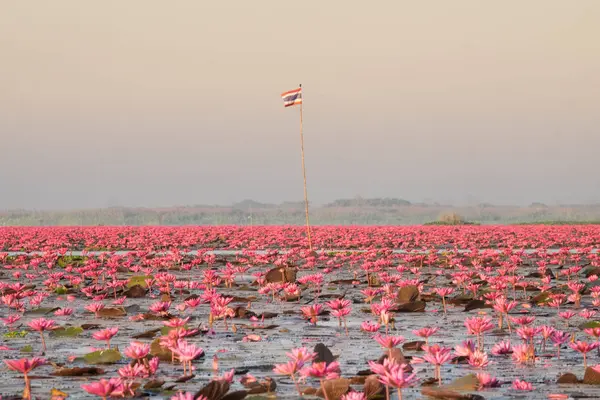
(304, 175)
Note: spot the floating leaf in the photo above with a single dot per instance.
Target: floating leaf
(568, 378)
(112, 312)
(154, 384)
(323, 354)
(61, 290)
(590, 325)
(415, 306)
(416, 345)
(109, 356)
(237, 395)
(281, 274)
(475, 304)
(139, 280)
(56, 394)
(591, 376)
(135, 292)
(148, 334)
(15, 334)
(407, 294)
(71, 331)
(373, 387)
(27, 349)
(76, 371)
(162, 353)
(214, 390)
(42, 310)
(334, 389)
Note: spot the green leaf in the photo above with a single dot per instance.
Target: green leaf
(166, 329)
(71, 331)
(103, 357)
(589, 325)
(61, 290)
(15, 334)
(42, 310)
(27, 349)
(138, 280)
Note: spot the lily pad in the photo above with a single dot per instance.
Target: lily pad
(109, 356)
(27, 349)
(86, 371)
(590, 325)
(138, 280)
(71, 331)
(42, 310)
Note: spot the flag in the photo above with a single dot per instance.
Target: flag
(292, 97)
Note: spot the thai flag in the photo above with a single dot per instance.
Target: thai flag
(292, 97)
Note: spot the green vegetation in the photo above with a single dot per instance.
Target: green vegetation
(15, 334)
(356, 211)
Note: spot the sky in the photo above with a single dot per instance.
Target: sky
(155, 103)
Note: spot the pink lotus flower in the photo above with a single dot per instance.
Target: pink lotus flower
(369, 326)
(322, 370)
(105, 388)
(437, 356)
(63, 312)
(24, 366)
(478, 359)
(106, 335)
(392, 374)
(487, 381)
(354, 396)
(502, 348)
(426, 333)
(584, 348)
(137, 350)
(522, 385)
(42, 325)
(389, 342)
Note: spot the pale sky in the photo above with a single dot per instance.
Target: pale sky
(160, 103)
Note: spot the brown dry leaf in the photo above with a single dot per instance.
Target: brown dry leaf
(396, 354)
(214, 390)
(154, 384)
(373, 387)
(87, 327)
(591, 376)
(162, 353)
(253, 328)
(476, 304)
(166, 298)
(237, 395)
(147, 335)
(415, 306)
(568, 378)
(408, 294)
(358, 380)
(416, 345)
(184, 378)
(281, 274)
(323, 354)
(334, 388)
(76, 371)
(112, 312)
(243, 312)
(135, 292)
(466, 383)
(311, 391)
(56, 394)
(447, 394)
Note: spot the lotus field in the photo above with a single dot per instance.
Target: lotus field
(227, 313)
